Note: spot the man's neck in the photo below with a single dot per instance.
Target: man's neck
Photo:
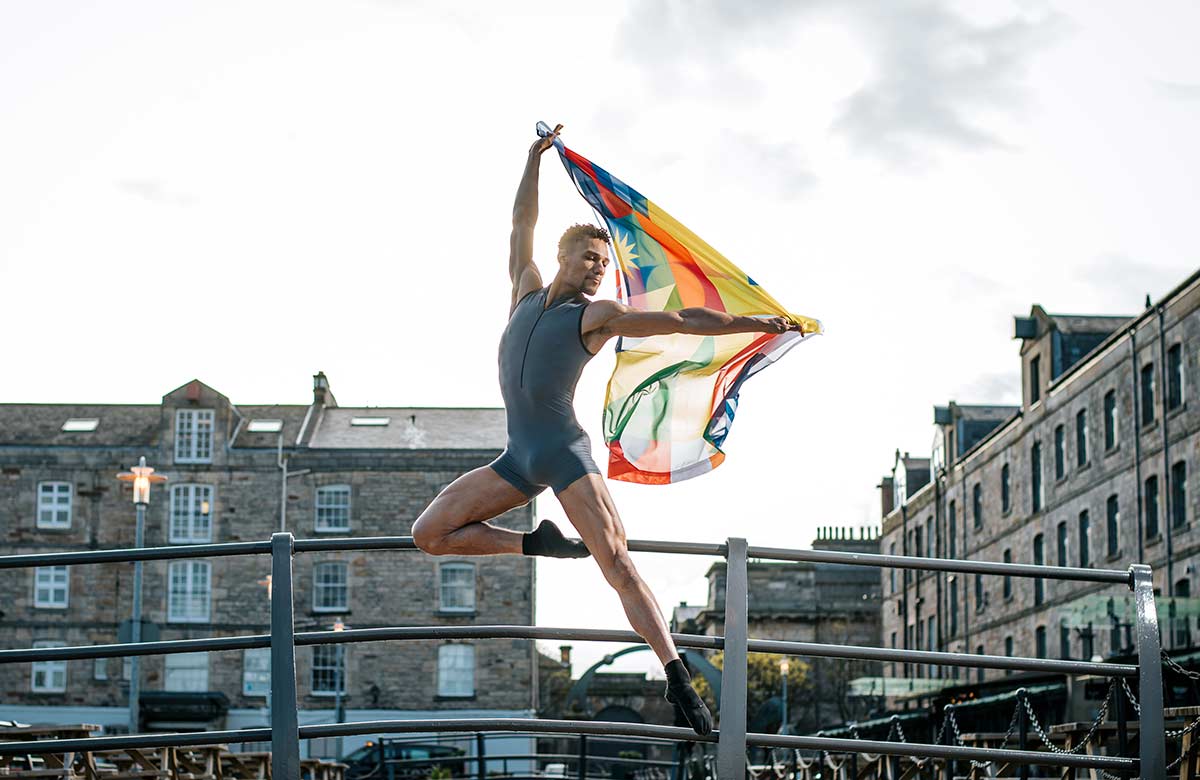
(561, 289)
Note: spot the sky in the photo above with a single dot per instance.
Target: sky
(258, 190)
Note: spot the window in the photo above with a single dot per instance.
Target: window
(256, 671)
(1039, 641)
(977, 505)
(1007, 578)
(1087, 636)
(1085, 528)
(1005, 502)
(328, 674)
(54, 505)
(1081, 441)
(917, 544)
(1175, 377)
(457, 587)
(99, 668)
(1147, 385)
(1062, 544)
(1179, 494)
(892, 570)
(1039, 559)
(1150, 505)
(1035, 385)
(980, 601)
(1113, 513)
(50, 587)
(1064, 642)
(1008, 651)
(186, 672)
(1035, 482)
(80, 424)
(1110, 419)
(953, 606)
(330, 591)
(190, 594)
(929, 536)
(979, 671)
(893, 666)
(1114, 631)
(953, 540)
(333, 508)
(1060, 453)
(49, 676)
(456, 670)
(1183, 634)
(190, 512)
(193, 435)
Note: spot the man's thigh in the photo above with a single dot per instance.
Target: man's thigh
(478, 495)
(590, 508)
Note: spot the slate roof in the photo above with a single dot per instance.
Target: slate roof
(121, 425)
(1083, 323)
(412, 428)
(291, 415)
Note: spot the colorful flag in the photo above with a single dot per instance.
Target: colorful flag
(671, 399)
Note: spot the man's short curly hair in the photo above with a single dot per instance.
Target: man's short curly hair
(581, 232)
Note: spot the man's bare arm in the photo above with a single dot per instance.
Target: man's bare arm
(604, 319)
(521, 268)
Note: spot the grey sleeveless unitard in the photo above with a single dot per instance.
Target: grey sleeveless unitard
(541, 357)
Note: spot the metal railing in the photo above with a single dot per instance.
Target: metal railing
(732, 738)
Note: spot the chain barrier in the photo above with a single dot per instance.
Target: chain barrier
(1101, 716)
(958, 740)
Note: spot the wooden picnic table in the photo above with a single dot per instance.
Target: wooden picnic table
(44, 765)
(246, 765)
(1189, 769)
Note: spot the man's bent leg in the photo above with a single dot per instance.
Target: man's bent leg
(591, 510)
(453, 524)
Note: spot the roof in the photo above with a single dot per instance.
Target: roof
(291, 415)
(986, 412)
(411, 428)
(120, 425)
(1088, 323)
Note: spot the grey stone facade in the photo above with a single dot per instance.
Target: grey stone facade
(389, 472)
(1094, 479)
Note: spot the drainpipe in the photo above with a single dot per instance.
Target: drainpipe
(1168, 518)
(1137, 444)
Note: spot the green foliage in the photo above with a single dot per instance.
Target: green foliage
(763, 680)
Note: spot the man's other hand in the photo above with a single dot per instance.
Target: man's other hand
(542, 144)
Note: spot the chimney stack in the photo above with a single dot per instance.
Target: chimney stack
(322, 395)
(564, 655)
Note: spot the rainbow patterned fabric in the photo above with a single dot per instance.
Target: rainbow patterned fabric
(671, 399)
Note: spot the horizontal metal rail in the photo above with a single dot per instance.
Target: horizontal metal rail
(174, 739)
(694, 641)
(125, 554)
(1035, 571)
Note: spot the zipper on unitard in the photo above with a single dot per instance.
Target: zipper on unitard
(529, 339)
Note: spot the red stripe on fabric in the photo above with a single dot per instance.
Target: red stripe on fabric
(726, 376)
(693, 285)
(621, 469)
(617, 207)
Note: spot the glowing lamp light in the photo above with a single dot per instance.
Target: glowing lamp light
(142, 476)
(338, 625)
(784, 665)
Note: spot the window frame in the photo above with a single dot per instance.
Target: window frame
(1112, 422)
(451, 566)
(469, 651)
(1179, 494)
(1151, 500)
(247, 685)
(196, 492)
(190, 453)
(1084, 522)
(1039, 559)
(50, 668)
(53, 506)
(1007, 590)
(318, 586)
(1081, 438)
(326, 490)
(977, 505)
(1060, 453)
(1005, 489)
(38, 603)
(338, 665)
(1112, 524)
(1146, 393)
(191, 567)
(181, 669)
(1176, 377)
(1037, 494)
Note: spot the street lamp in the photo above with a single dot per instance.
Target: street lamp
(266, 582)
(340, 714)
(783, 668)
(142, 476)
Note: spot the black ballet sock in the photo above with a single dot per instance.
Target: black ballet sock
(681, 693)
(547, 540)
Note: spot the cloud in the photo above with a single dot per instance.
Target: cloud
(933, 73)
(776, 167)
(996, 387)
(1120, 284)
(155, 192)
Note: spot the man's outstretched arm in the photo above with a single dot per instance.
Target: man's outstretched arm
(604, 319)
(521, 269)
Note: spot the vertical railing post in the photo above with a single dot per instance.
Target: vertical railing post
(1151, 733)
(1022, 730)
(948, 737)
(583, 767)
(1122, 720)
(731, 742)
(285, 726)
(481, 756)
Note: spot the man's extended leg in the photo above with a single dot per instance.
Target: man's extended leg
(453, 524)
(591, 510)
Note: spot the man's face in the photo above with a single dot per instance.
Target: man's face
(585, 263)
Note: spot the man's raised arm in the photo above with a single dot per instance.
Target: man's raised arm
(521, 269)
(604, 319)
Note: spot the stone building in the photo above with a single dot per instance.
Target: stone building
(808, 602)
(1096, 468)
(239, 472)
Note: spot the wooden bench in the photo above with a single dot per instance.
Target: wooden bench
(42, 765)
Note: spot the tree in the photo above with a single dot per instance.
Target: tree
(764, 681)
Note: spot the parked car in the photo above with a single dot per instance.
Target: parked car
(399, 760)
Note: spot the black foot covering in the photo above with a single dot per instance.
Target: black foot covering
(681, 693)
(547, 540)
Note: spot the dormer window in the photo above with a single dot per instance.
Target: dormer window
(194, 435)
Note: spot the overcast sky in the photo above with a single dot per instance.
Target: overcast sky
(262, 190)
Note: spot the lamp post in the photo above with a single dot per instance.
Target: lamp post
(783, 668)
(141, 476)
(339, 713)
(266, 582)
